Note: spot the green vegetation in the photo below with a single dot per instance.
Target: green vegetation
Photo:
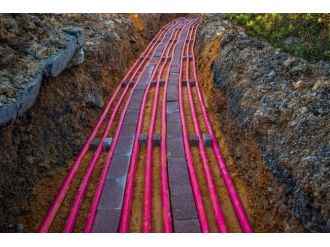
(303, 35)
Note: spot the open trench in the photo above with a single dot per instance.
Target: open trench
(202, 165)
(241, 151)
(235, 150)
(62, 100)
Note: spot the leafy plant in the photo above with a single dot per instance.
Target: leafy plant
(309, 33)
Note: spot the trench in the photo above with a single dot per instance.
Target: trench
(47, 182)
(241, 152)
(243, 156)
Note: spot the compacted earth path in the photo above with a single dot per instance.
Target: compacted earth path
(152, 162)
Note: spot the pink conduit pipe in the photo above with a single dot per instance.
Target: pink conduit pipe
(52, 211)
(236, 201)
(191, 170)
(167, 219)
(149, 158)
(124, 222)
(219, 217)
(71, 221)
(99, 189)
(46, 224)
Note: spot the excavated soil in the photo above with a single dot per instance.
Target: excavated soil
(240, 150)
(38, 149)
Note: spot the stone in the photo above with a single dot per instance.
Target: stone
(297, 84)
(143, 139)
(166, 58)
(161, 82)
(94, 99)
(189, 57)
(78, 58)
(106, 144)
(193, 140)
(191, 82)
(156, 139)
(207, 140)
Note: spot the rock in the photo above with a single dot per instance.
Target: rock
(33, 57)
(78, 58)
(94, 99)
(109, 37)
(6, 88)
(271, 75)
(3, 99)
(297, 84)
(303, 84)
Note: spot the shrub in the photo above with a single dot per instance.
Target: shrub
(309, 33)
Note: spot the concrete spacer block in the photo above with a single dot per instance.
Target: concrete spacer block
(131, 84)
(93, 145)
(124, 83)
(162, 82)
(143, 138)
(165, 58)
(189, 57)
(207, 140)
(191, 82)
(106, 144)
(141, 58)
(156, 139)
(154, 82)
(193, 140)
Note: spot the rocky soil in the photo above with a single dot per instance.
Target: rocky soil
(275, 118)
(52, 131)
(20, 55)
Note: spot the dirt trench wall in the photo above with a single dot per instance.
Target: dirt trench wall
(52, 131)
(274, 114)
(52, 66)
